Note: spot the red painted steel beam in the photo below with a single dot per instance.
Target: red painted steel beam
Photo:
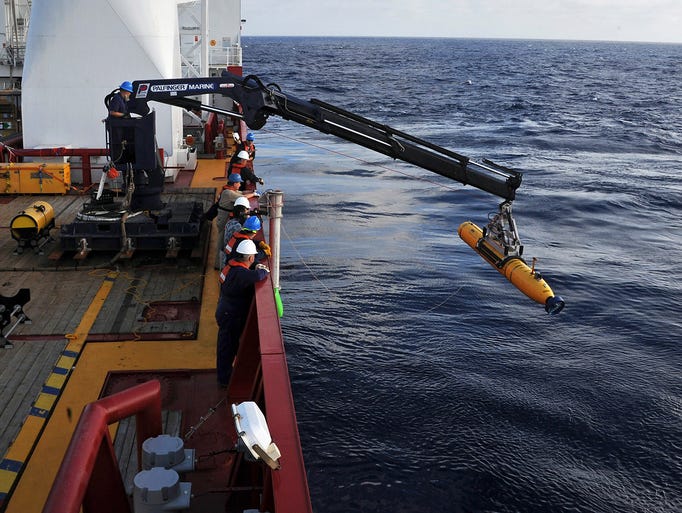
(289, 484)
(246, 374)
(84, 153)
(60, 151)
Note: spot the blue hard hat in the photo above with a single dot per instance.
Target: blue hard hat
(252, 223)
(235, 178)
(126, 86)
(250, 137)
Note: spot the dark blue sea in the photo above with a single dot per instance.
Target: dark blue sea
(424, 381)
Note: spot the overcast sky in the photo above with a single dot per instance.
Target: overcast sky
(610, 20)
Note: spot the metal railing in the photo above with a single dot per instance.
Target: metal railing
(89, 476)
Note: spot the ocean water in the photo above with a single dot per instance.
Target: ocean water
(423, 380)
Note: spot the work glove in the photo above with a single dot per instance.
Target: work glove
(264, 267)
(260, 181)
(264, 248)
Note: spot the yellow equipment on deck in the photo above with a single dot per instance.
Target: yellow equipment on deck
(35, 178)
(31, 227)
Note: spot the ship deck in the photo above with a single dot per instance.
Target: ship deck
(99, 325)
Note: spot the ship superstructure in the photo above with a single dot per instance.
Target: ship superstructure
(16, 16)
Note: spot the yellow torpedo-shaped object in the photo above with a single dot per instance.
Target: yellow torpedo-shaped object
(513, 268)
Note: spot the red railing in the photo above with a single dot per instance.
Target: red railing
(261, 372)
(210, 131)
(83, 153)
(89, 475)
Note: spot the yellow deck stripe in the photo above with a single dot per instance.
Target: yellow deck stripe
(31, 490)
(19, 452)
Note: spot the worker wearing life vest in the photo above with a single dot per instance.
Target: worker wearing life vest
(249, 147)
(248, 232)
(240, 213)
(245, 166)
(237, 281)
(237, 162)
(228, 196)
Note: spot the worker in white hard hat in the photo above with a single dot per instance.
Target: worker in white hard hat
(240, 213)
(241, 164)
(237, 281)
(237, 162)
(228, 196)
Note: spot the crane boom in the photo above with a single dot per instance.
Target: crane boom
(133, 145)
(258, 101)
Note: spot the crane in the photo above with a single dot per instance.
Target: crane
(132, 147)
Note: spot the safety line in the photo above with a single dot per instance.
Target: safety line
(373, 164)
(23, 445)
(329, 291)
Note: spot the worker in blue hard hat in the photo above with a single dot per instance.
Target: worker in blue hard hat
(228, 196)
(118, 106)
(249, 230)
(248, 147)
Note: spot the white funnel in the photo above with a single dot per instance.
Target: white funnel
(80, 50)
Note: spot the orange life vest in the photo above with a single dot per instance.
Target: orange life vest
(235, 240)
(226, 269)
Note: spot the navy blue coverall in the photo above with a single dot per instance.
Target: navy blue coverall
(236, 295)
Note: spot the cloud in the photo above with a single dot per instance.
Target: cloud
(635, 20)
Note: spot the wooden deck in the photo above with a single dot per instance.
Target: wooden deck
(80, 304)
(63, 292)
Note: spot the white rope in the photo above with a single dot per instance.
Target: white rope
(373, 164)
(300, 256)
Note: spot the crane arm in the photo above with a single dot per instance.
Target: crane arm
(258, 101)
(498, 242)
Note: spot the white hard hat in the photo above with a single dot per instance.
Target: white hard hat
(243, 154)
(247, 247)
(242, 202)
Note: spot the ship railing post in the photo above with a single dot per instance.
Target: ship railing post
(275, 203)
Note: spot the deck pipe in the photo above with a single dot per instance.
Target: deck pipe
(275, 203)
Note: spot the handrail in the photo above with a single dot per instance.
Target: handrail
(84, 153)
(289, 485)
(89, 475)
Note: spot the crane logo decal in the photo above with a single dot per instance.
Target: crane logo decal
(142, 91)
(168, 88)
(177, 88)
